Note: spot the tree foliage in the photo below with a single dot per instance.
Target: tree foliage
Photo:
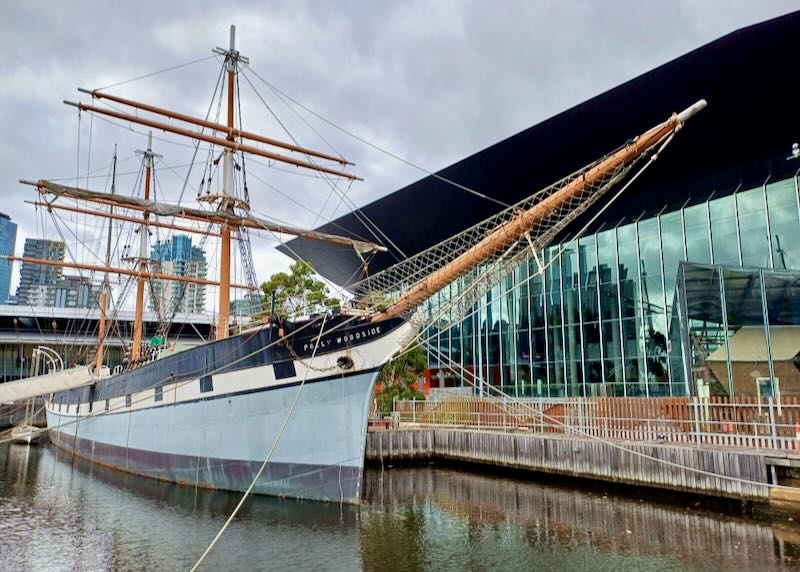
(298, 292)
(398, 376)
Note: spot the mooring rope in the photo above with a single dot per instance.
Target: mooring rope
(267, 458)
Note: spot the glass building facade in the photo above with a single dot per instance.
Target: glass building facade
(662, 304)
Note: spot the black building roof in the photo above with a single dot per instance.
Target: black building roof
(751, 79)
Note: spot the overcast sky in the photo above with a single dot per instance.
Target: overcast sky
(430, 81)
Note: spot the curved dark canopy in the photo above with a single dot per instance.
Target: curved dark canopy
(751, 79)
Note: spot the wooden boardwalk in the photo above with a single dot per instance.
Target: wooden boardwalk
(643, 464)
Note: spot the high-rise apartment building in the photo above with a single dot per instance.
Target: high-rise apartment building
(36, 280)
(178, 256)
(8, 239)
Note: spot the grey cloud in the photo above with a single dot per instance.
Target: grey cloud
(432, 81)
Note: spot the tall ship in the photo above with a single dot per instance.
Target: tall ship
(281, 406)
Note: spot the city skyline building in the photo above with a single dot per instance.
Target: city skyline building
(8, 241)
(180, 257)
(44, 285)
(36, 280)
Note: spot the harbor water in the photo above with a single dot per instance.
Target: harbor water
(62, 513)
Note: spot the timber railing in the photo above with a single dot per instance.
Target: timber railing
(738, 422)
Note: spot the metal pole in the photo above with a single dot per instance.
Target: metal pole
(696, 407)
(773, 428)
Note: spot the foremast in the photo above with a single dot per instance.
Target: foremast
(106, 288)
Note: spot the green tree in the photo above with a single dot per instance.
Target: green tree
(298, 292)
(397, 377)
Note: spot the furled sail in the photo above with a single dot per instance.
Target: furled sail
(158, 208)
(44, 384)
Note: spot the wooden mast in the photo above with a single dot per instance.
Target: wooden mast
(144, 236)
(227, 204)
(101, 327)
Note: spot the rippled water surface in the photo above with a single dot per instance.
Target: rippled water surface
(60, 513)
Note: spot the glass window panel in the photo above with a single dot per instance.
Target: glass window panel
(782, 291)
(571, 306)
(746, 343)
(613, 371)
(723, 231)
(574, 379)
(537, 317)
(632, 375)
(569, 265)
(539, 379)
(753, 227)
(698, 248)
(554, 308)
(631, 337)
(572, 343)
(607, 256)
(706, 330)
(588, 261)
(671, 249)
(656, 348)
(609, 302)
(521, 318)
(671, 242)
(652, 292)
(783, 298)
(631, 306)
(615, 389)
(612, 347)
(594, 372)
(784, 224)
(556, 387)
(553, 272)
(589, 304)
(628, 255)
(555, 343)
(539, 345)
(591, 341)
(649, 247)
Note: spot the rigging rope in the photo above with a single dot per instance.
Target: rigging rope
(377, 147)
(151, 74)
(269, 454)
(357, 212)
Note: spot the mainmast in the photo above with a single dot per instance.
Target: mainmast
(101, 328)
(144, 241)
(227, 201)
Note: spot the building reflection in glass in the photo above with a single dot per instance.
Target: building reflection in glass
(597, 316)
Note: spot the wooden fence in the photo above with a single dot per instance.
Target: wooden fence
(739, 422)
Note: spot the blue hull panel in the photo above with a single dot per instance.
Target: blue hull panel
(222, 441)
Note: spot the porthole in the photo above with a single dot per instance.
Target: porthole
(345, 362)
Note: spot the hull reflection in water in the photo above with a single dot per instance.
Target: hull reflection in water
(60, 512)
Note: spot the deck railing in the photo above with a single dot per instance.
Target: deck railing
(736, 422)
